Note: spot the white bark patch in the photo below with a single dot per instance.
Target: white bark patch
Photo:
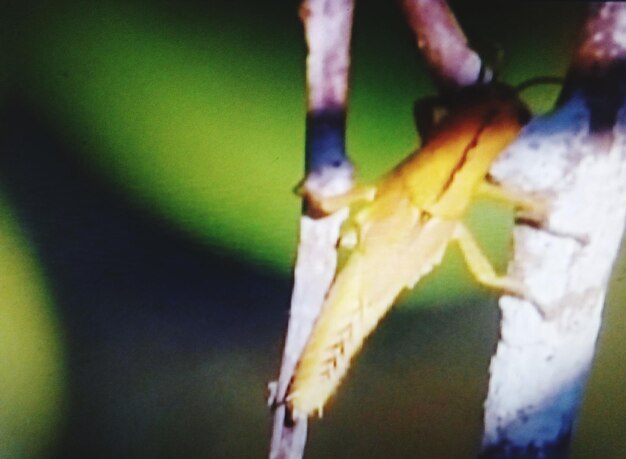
(314, 271)
(543, 358)
(443, 44)
(328, 25)
(315, 267)
(619, 32)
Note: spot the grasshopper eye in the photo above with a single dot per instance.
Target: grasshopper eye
(427, 113)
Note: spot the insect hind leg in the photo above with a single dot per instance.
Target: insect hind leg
(481, 267)
(483, 271)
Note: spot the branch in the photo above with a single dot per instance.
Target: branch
(328, 172)
(327, 24)
(577, 157)
(444, 46)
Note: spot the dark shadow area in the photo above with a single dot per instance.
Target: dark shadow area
(133, 294)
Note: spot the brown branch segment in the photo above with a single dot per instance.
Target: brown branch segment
(444, 45)
(603, 41)
(599, 64)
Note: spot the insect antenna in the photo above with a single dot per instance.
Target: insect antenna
(537, 81)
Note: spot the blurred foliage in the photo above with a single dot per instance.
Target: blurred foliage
(201, 117)
(602, 425)
(204, 118)
(31, 354)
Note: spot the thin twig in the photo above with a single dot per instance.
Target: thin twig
(328, 172)
(444, 46)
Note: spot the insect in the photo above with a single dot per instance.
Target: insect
(399, 230)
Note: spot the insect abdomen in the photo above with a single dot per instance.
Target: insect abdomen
(360, 297)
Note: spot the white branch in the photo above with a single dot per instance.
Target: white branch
(542, 361)
(327, 25)
(546, 349)
(314, 271)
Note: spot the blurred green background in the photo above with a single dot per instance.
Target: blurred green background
(148, 230)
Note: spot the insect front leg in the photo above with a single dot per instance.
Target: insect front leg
(483, 271)
(530, 208)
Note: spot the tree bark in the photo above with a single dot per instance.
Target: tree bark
(575, 158)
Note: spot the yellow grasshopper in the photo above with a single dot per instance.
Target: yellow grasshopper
(402, 233)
